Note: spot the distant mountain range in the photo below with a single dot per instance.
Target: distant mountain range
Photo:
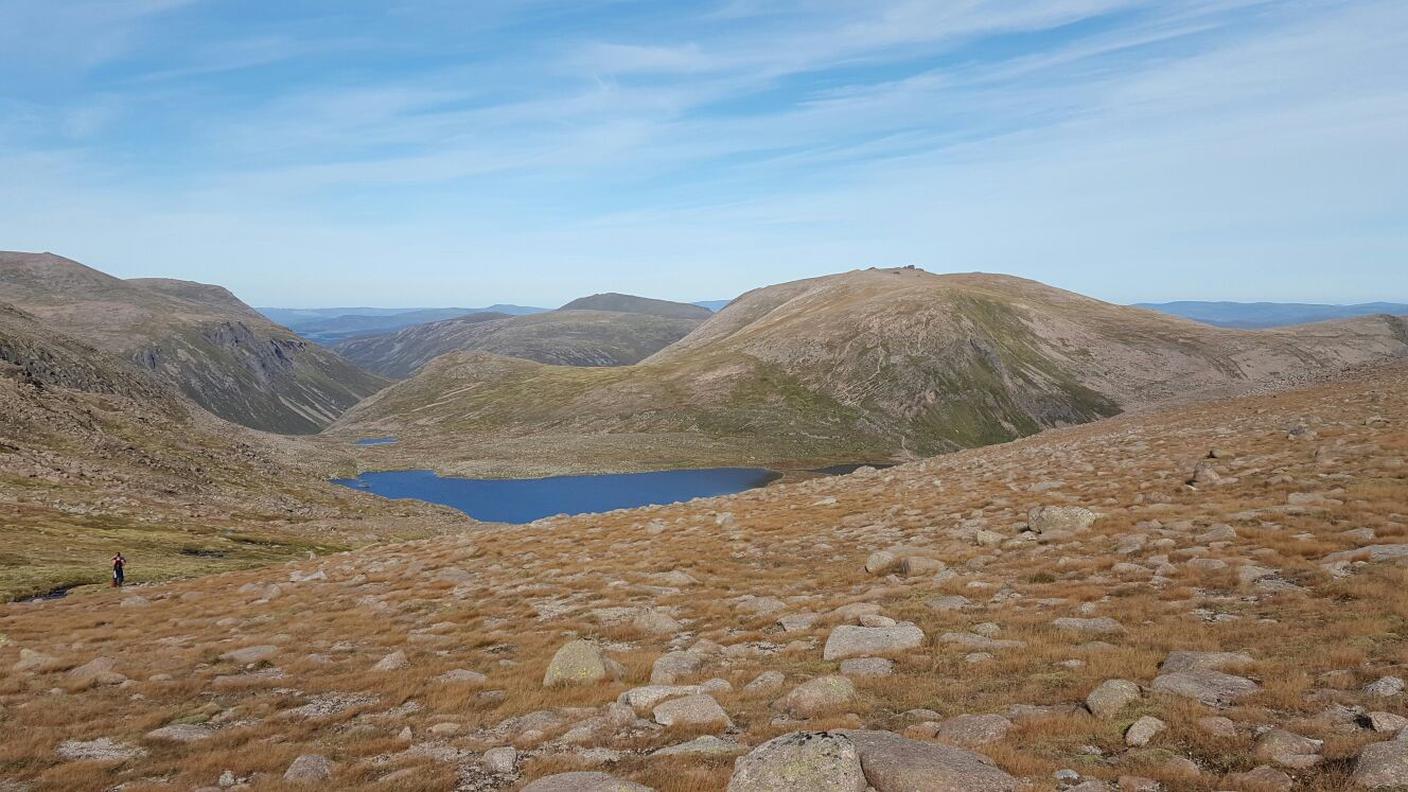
(600, 330)
(873, 365)
(1270, 314)
(330, 325)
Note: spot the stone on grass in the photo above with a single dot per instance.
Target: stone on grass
(1383, 765)
(1100, 625)
(1386, 722)
(1384, 687)
(1142, 731)
(1264, 778)
(820, 696)
(697, 711)
(577, 663)
(671, 667)
(502, 760)
(1111, 696)
(179, 733)
(892, 763)
(764, 683)
(1288, 749)
(308, 769)
(1043, 519)
(973, 730)
(392, 662)
(103, 749)
(584, 782)
(656, 622)
(867, 667)
(648, 697)
(708, 745)
(250, 654)
(851, 641)
(811, 761)
(1210, 687)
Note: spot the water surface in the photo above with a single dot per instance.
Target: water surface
(375, 441)
(525, 500)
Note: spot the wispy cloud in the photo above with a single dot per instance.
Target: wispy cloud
(1064, 139)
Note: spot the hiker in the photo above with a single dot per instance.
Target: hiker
(118, 562)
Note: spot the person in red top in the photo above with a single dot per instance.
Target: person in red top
(118, 563)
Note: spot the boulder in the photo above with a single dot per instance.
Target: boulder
(1262, 779)
(577, 663)
(696, 711)
(973, 730)
(392, 662)
(1384, 687)
(1288, 749)
(1210, 687)
(1111, 696)
(1101, 625)
(810, 761)
(867, 667)
(648, 697)
(708, 745)
(1142, 731)
(250, 654)
(502, 760)
(851, 641)
(892, 763)
(309, 769)
(179, 733)
(103, 749)
(671, 667)
(819, 696)
(1383, 765)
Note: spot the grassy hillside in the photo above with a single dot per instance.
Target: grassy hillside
(98, 455)
(566, 337)
(863, 366)
(199, 338)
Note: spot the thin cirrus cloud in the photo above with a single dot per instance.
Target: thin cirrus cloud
(530, 152)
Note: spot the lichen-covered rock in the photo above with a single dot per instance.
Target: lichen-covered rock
(1111, 696)
(1383, 765)
(1210, 687)
(892, 763)
(577, 663)
(811, 761)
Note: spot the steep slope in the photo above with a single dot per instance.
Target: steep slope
(99, 455)
(866, 365)
(200, 338)
(406, 665)
(627, 333)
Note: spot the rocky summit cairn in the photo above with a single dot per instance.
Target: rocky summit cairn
(580, 663)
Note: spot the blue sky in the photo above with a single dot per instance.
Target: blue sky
(439, 152)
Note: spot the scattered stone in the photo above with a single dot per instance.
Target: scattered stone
(577, 663)
(1383, 765)
(852, 641)
(867, 667)
(1111, 696)
(819, 761)
(708, 745)
(764, 683)
(1102, 625)
(697, 711)
(309, 768)
(671, 667)
(180, 733)
(1262, 779)
(1386, 722)
(502, 760)
(584, 782)
(1210, 687)
(1288, 749)
(973, 730)
(1384, 687)
(892, 763)
(392, 662)
(1045, 519)
(103, 749)
(250, 654)
(1218, 726)
(464, 677)
(819, 696)
(1142, 731)
(1205, 661)
(948, 603)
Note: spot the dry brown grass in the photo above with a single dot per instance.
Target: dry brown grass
(530, 589)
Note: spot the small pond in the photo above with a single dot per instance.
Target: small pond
(525, 500)
(376, 441)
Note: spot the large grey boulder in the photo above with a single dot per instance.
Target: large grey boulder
(696, 711)
(973, 730)
(578, 663)
(671, 667)
(1383, 765)
(1111, 696)
(584, 782)
(820, 696)
(1288, 749)
(800, 762)
(1210, 687)
(1100, 625)
(851, 641)
(892, 763)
